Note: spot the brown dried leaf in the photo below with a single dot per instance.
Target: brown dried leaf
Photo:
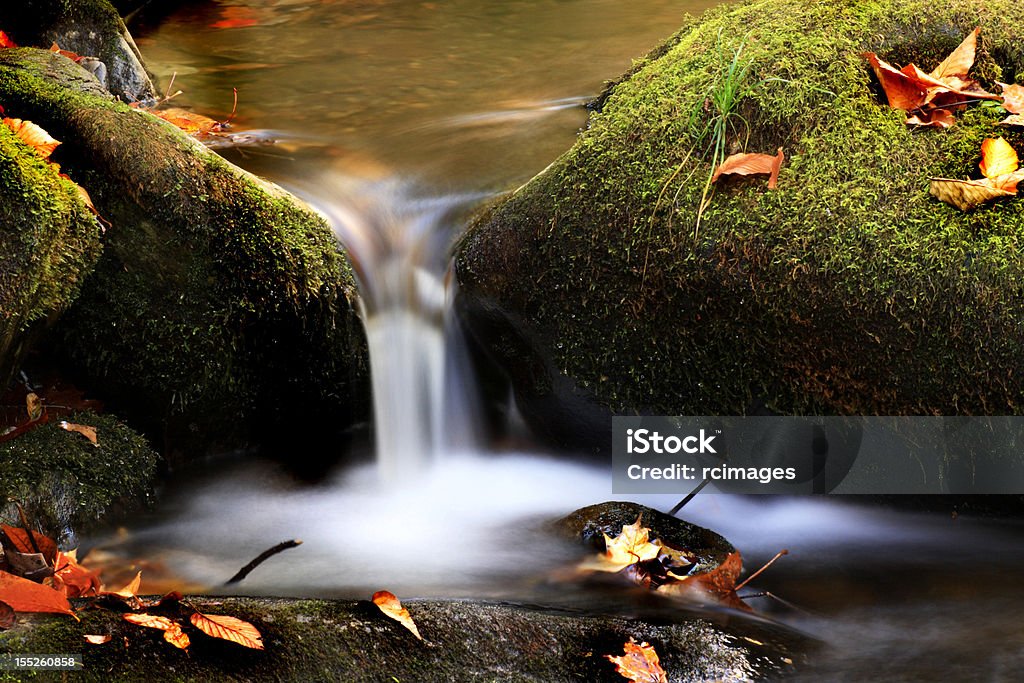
(392, 607)
(967, 194)
(228, 628)
(998, 158)
(960, 60)
(938, 118)
(1013, 97)
(97, 640)
(131, 590)
(639, 663)
(903, 91)
(20, 539)
(190, 122)
(85, 430)
(750, 164)
(33, 406)
(7, 616)
(76, 580)
(33, 136)
(1013, 120)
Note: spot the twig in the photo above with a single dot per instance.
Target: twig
(767, 564)
(270, 552)
(28, 529)
(679, 506)
(773, 596)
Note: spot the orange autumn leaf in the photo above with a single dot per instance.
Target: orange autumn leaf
(392, 607)
(20, 539)
(33, 136)
(27, 596)
(75, 580)
(902, 91)
(997, 158)
(97, 640)
(85, 430)
(937, 118)
(190, 122)
(752, 164)
(639, 663)
(228, 628)
(131, 590)
(236, 17)
(73, 56)
(5, 41)
(172, 630)
(8, 617)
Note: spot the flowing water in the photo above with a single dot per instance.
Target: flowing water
(395, 118)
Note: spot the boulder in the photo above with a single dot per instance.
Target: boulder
(221, 309)
(848, 290)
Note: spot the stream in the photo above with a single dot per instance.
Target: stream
(396, 118)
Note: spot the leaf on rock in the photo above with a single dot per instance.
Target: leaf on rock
(97, 640)
(27, 596)
(23, 544)
(190, 122)
(997, 158)
(33, 136)
(751, 164)
(5, 41)
(7, 616)
(172, 630)
(228, 628)
(639, 663)
(631, 546)
(392, 607)
(967, 194)
(131, 590)
(73, 56)
(85, 430)
(1013, 97)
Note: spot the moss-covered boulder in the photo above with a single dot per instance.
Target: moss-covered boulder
(90, 28)
(221, 304)
(849, 290)
(319, 640)
(66, 484)
(48, 242)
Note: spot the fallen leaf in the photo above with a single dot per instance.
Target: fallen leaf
(85, 430)
(30, 565)
(33, 136)
(960, 60)
(938, 118)
(7, 616)
(5, 41)
(751, 164)
(21, 542)
(190, 122)
(1013, 120)
(27, 596)
(902, 91)
(967, 194)
(74, 57)
(997, 158)
(1013, 98)
(228, 628)
(172, 630)
(392, 607)
(236, 17)
(131, 590)
(33, 406)
(97, 640)
(77, 581)
(639, 663)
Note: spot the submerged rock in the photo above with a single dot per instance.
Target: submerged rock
(849, 290)
(221, 308)
(318, 640)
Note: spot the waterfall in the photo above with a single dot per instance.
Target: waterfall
(424, 399)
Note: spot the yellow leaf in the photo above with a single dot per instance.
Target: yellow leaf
(228, 628)
(85, 430)
(392, 607)
(34, 407)
(629, 547)
(97, 640)
(967, 194)
(132, 589)
(639, 663)
(176, 637)
(997, 158)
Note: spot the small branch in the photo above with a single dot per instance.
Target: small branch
(270, 552)
(679, 506)
(766, 565)
(773, 596)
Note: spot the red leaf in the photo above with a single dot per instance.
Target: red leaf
(74, 57)
(26, 596)
(236, 17)
(20, 538)
(5, 41)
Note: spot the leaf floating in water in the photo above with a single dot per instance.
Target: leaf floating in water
(639, 664)
(392, 607)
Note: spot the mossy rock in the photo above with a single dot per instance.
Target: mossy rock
(91, 28)
(49, 241)
(222, 308)
(66, 484)
(320, 640)
(849, 290)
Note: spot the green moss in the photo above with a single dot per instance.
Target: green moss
(208, 272)
(48, 243)
(67, 484)
(847, 290)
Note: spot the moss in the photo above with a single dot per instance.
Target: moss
(48, 243)
(848, 290)
(216, 289)
(67, 484)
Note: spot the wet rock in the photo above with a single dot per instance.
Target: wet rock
(849, 290)
(91, 28)
(317, 640)
(221, 309)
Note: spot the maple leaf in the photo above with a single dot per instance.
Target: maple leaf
(752, 164)
(85, 430)
(639, 663)
(998, 158)
(631, 546)
(97, 640)
(390, 605)
(172, 629)
(27, 596)
(7, 616)
(5, 41)
(228, 628)
(33, 136)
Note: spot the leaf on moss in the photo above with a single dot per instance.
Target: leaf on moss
(190, 122)
(998, 158)
(97, 640)
(968, 194)
(85, 430)
(639, 664)
(27, 596)
(74, 57)
(752, 164)
(172, 630)
(1013, 97)
(33, 406)
(937, 118)
(228, 628)
(389, 604)
(33, 136)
